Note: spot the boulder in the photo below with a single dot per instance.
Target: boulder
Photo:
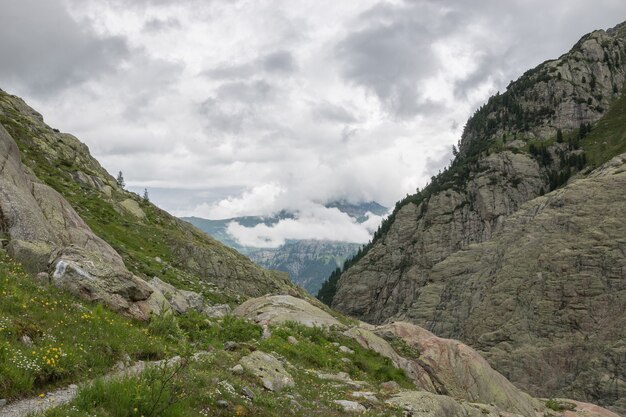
(277, 309)
(350, 406)
(456, 370)
(269, 369)
(180, 301)
(217, 311)
(132, 207)
(427, 404)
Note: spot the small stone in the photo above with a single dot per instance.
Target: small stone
(345, 349)
(390, 386)
(266, 333)
(296, 405)
(237, 369)
(268, 369)
(346, 360)
(350, 406)
(248, 393)
(158, 260)
(335, 344)
(369, 396)
(26, 341)
(292, 340)
(223, 404)
(230, 346)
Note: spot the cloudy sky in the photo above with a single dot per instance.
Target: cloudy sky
(224, 108)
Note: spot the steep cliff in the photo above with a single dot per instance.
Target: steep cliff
(63, 215)
(479, 255)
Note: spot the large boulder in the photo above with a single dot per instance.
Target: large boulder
(268, 369)
(277, 309)
(426, 404)
(456, 370)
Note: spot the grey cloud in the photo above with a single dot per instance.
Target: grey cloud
(526, 37)
(150, 79)
(230, 71)
(279, 62)
(220, 120)
(392, 53)
(234, 104)
(44, 50)
(247, 92)
(160, 25)
(332, 112)
(437, 163)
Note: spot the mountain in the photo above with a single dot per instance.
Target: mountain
(517, 248)
(308, 262)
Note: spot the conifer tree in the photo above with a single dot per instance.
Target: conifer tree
(120, 180)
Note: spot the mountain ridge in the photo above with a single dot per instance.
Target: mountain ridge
(553, 125)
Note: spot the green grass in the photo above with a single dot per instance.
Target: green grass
(195, 389)
(71, 340)
(315, 349)
(608, 136)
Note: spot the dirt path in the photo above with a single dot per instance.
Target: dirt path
(61, 396)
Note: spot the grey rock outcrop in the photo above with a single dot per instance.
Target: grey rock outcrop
(47, 235)
(180, 301)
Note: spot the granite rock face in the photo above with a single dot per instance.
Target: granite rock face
(535, 282)
(444, 366)
(45, 234)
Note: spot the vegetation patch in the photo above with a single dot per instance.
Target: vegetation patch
(48, 338)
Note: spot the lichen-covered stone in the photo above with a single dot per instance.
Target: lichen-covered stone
(269, 369)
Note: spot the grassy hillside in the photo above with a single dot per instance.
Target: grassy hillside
(152, 242)
(48, 338)
(194, 388)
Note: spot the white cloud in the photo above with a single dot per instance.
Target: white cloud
(233, 107)
(313, 222)
(261, 200)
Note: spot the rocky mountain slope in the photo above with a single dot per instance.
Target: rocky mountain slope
(308, 262)
(62, 215)
(482, 255)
